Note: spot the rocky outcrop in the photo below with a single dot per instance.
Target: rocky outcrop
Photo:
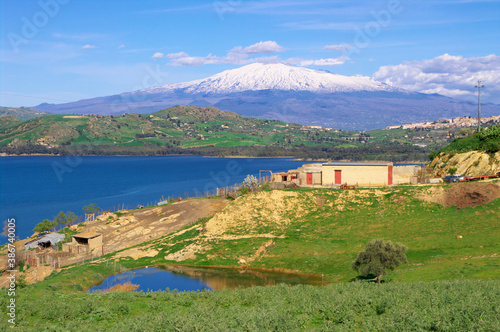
(472, 163)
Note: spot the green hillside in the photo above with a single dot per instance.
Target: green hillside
(451, 281)
(488, 140)
(208, 131)
(320, 231)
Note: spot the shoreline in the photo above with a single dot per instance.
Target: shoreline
(324, 281)
(409, 162)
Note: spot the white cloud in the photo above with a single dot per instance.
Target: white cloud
(263, 47)
(88, 47)
(449, 75)
(238, 55)
(121, 46)
(195, 60)
(320, 62)
(241, 55)
(340, 47)
(330, 61)
(177, 55)
(157, 55)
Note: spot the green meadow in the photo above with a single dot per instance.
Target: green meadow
(450, 283)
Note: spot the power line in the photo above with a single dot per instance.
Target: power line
(33, 97)
(478, 87)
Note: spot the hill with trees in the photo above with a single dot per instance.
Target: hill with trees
(21, 113)
(210, 131)
(475, 155)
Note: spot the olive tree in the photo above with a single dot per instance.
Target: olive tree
(378, 256)
(45, 226)
(66, 219)
(91, 208)
(62, 218)
(250, 181)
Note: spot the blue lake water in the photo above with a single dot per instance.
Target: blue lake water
(36, 188)
(189, 278)
(153, 279)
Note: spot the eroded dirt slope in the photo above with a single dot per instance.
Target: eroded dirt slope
(463, 194)
(138, 226)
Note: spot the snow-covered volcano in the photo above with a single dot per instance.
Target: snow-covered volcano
(287, 93)
(278, 76)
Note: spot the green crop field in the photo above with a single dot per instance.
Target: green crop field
(460, 305)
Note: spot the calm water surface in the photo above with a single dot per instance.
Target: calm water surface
(185, 278)
(37, 188)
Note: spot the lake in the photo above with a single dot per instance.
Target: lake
(35, 188)
(189, 278)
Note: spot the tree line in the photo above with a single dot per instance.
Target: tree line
(394, 153)
(63, 219)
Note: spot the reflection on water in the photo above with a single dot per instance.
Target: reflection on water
(185, 278)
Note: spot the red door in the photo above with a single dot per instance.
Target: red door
(309, 178)
(338, 177)
(389, 181)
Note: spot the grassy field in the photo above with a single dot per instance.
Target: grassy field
(325, 234)
(333, 226)
(449, 284)
(460, 305)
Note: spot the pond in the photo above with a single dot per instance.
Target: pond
(184, 278)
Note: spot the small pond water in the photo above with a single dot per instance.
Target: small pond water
(185, 278)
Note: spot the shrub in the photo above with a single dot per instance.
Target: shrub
(433, 154)
(266, 186)
(491, 147)
(250, 181)
(378, 256)
(490, 133)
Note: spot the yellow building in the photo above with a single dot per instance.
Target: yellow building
(351, 173)
(84, 243)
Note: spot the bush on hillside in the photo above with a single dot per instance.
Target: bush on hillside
(492, 147)
(433, 154)
(490, 133)
(379, 255)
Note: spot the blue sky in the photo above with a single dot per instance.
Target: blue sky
(64, 50)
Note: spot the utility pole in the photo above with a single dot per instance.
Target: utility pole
(478, 87)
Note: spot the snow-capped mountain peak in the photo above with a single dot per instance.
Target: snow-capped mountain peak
(278, 76)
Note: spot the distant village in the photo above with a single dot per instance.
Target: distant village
(466, 121)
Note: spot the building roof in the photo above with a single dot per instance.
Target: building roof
(53, 238)
(356, 164)
(87, 235)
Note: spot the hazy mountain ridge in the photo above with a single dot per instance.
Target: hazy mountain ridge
(20, 113)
